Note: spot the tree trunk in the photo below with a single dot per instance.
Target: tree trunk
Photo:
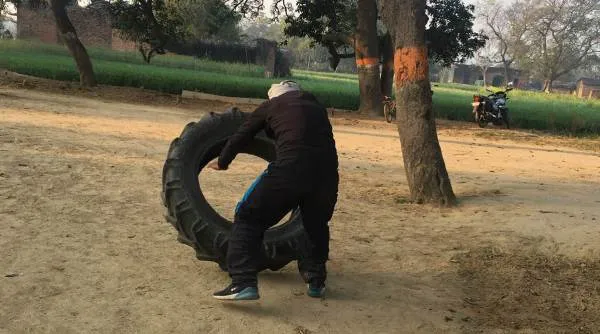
(506, 70)
(387, 71)
(147, 52)
(150, 54)
(426, 172)
(367, 59)
(142, 51)
(484, 73)
(548, 85)
(76, 49)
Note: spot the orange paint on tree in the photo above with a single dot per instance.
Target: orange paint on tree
(410, 64)
(367, 61)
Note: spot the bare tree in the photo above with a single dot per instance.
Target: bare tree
(485, 58)
(506, 27)
(563, 36)
(426, 172)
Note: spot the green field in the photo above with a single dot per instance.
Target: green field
(173, 73)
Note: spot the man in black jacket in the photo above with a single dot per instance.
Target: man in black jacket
(304, 174)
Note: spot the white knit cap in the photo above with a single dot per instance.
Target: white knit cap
(282, 88)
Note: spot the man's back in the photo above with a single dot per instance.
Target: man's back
(301, 129)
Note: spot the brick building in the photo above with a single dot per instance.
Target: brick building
(92, 24)
(588, 88)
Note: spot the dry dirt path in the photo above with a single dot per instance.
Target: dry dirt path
(86, 250)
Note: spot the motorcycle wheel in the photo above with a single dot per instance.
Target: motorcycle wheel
(480, 120)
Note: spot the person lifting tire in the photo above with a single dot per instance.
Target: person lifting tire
(186, 208)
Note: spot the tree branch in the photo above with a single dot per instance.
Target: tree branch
(281, 3)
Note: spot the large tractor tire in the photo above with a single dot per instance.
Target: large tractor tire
(198, 224)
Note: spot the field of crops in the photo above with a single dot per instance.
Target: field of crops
(172, 73)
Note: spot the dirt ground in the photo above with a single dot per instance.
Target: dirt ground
(85, 249)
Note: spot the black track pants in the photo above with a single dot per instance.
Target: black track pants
(273, 196)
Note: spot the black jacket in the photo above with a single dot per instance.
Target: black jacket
(301, 130)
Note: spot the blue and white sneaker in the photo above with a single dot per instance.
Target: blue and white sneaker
(237, 292)
(316, 289)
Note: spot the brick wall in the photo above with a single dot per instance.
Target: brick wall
(587, 90)
(92, 26)
(37, 25)
(121, 44)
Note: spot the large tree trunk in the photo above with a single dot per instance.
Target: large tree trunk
(367, 59)
(426, 172)
(387, 70)
(69, 36)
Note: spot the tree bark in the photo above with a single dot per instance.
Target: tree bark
(387, 71)
(147, 53)
(367, 59)
(484, 73)
(143, 52)
(334, 56)
(76, 49)
(506, 78)
(548, 85)
(426, 172)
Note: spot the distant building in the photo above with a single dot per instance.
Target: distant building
(588, 88)
(471, 74)
(561, 87)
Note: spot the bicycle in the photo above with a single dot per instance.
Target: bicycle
(389, 109)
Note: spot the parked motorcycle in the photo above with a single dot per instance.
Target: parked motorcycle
(491, 108)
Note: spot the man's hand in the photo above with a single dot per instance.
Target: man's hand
(215, 165)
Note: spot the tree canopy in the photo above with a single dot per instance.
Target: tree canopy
(550, 39)
(332, 23)
(563, 36)
(150, 23)
(207, 19)
(450, 36)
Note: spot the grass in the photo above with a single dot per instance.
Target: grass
(528, 110)
(173, 73)
(171, 79)
(133, 57)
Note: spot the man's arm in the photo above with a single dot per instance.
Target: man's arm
(246, 132)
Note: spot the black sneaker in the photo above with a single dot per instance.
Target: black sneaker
(316, 289)
(237, 292)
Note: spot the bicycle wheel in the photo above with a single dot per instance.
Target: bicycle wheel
(388, 112)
